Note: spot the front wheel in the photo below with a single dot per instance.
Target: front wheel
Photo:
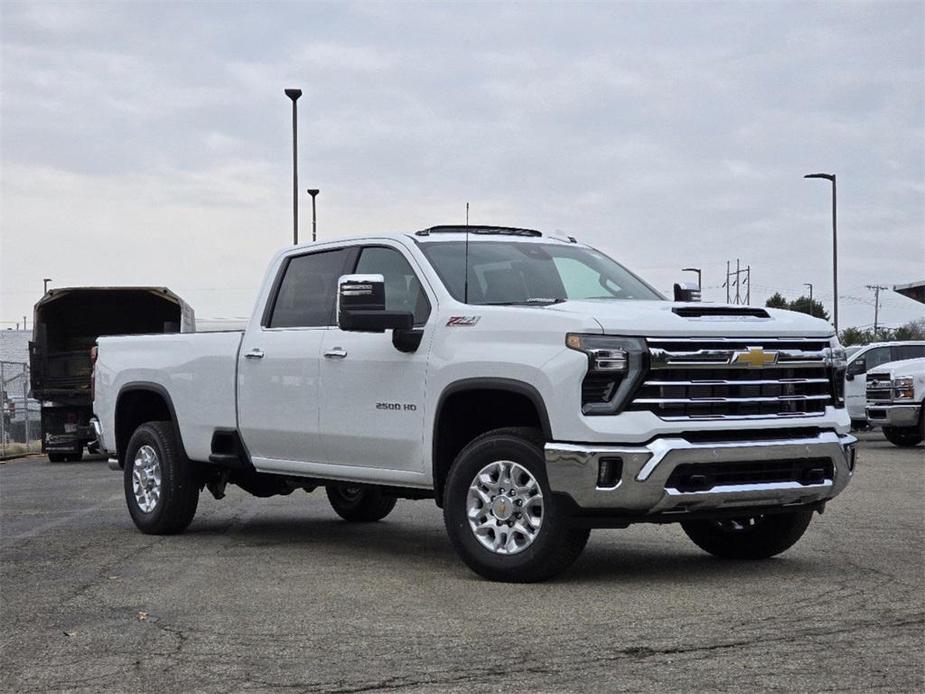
(904, 437)
(749, 537)
(160, 483)
(359, 504)
(500, 514)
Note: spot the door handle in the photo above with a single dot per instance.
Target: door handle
(336, 353)
(255, 353)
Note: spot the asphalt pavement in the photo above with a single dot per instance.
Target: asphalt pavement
(280, 595)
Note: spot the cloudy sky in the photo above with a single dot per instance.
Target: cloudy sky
(150, 144)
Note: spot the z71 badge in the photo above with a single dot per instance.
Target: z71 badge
(462, 321)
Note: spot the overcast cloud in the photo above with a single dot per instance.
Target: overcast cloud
(150, 144)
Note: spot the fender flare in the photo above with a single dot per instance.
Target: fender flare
(151, 387)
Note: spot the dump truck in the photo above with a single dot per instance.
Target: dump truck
(66, 325)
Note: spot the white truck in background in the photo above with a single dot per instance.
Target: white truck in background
(896, 401)
(530, 385)
(865, 359)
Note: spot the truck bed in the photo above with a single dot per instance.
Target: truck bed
(198, 370)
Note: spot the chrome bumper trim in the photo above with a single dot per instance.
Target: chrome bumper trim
(894, 415)
(573, 469)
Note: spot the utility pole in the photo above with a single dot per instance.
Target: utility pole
(24, 323)
(748, 286)
(875, 288)
(738, 294)
(294, 94)
(810, 285)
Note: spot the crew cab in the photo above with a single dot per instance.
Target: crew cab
(870, 357)
(529, 384)
(896, 400)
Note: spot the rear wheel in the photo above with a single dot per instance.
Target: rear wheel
(749, 537)
(57, 457)
(359, 504)
(500, 514)
(160, 483)
(903, 436)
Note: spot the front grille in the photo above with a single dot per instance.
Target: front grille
(693, 477)
(879, 388)
(736, 378)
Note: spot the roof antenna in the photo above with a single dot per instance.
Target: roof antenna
(466, 266)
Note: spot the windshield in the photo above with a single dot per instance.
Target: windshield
(521, 273)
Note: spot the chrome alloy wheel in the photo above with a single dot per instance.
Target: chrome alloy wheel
(505, 507)
(146, 478)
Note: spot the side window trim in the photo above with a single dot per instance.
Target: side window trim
(356, 261)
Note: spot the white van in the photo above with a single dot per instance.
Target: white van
(865, 359)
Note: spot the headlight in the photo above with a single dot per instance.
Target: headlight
(904, 388)
(616, 365)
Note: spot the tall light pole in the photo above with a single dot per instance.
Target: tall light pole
(697, 270)
(294, 94)
(831, 177)
(314, 193)
(45, 282)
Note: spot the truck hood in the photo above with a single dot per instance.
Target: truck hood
(674, 319)
(906, 367)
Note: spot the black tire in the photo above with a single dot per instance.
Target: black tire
(179, 486)
(359, 504)
(57, 457)
(556, 545)
(905, 437)
(74, 457)
(750, 537)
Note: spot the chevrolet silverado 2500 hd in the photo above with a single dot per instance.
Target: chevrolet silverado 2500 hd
(896, 401)
(531, 385)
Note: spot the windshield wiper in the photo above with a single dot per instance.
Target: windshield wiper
(532, 301)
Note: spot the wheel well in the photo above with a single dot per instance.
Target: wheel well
(134, 408)
(463, 415)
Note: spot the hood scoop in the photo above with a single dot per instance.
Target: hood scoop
(707, 312)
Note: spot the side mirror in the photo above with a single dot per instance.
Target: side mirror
(361, 306)
(686, 291)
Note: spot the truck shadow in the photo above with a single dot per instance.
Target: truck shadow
(393, 544)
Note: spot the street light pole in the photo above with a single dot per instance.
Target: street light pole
(46, 281)
(697, 270)
(314, 193)
(294, 94)
(831, 177)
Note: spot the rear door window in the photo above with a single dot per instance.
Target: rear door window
(908, 352)
(308, 290)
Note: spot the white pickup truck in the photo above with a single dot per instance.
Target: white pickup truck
(531, 385)
(896, 401)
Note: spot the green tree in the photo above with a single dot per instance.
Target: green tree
(806, 305)
(776, 301)
(913, 330)
(855, 336)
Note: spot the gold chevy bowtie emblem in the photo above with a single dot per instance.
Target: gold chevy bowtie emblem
(755, 356)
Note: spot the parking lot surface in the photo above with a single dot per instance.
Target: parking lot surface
(280, 595)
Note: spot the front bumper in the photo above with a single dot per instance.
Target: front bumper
(894, 415)
(643, 488)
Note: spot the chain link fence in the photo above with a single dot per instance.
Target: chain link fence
(21, 422)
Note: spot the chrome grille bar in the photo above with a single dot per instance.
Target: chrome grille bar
(736, 378)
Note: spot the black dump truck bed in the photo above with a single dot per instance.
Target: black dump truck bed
(66, 323)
